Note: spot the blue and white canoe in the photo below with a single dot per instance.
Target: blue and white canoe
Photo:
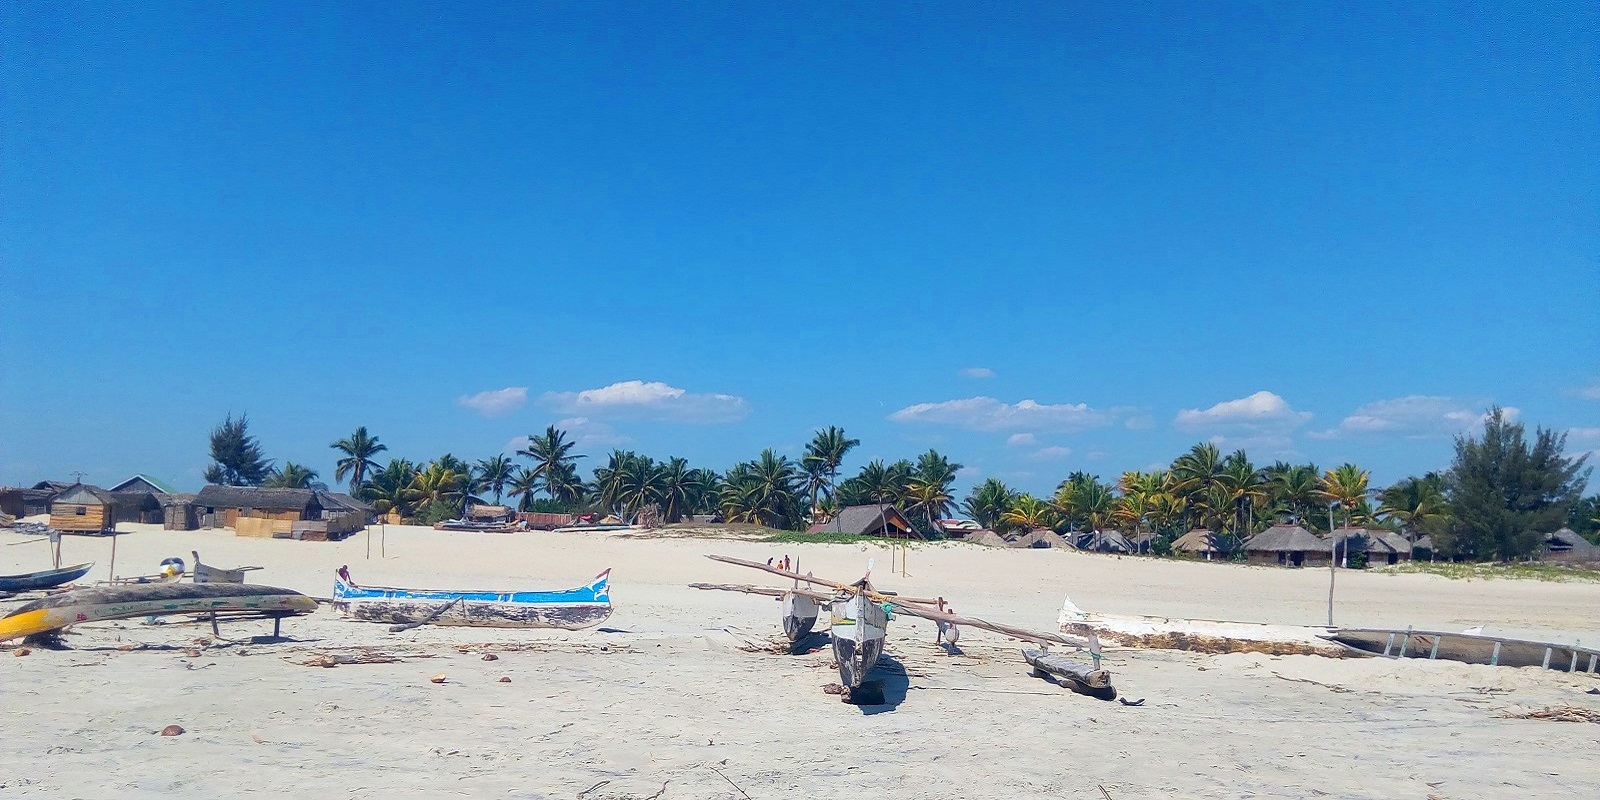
(582, 607)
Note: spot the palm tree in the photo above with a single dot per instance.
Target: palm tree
(1028, 513)
(1292, 490)
(1346, 485)
(932, 498)
(1246, 489)
(679, 487)
(822, 459)
(389, 487)
(359, 450)
(565, 486)
(1085, 502)
(493, 475)
(639, 485)
(293, 476)
(1195, 472)
(988, 501)
(548, 451)
(771, 489)
(523, 484)
(1415, 503)
(437, 483)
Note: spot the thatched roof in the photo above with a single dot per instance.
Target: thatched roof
(178, 499)
(1198, 540)
(1568, 540)
(1105, 542)
(987, 537)
(53, 486)
(1424, 543)
(339, 501)
(85, 495)
(1286, 539)
(1041, 538)
(1354, 539)
(255, 497)
(866, 520)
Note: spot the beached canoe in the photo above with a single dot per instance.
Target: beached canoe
(581, 607)
(859, 627)
(149, 600)
(1198, 635)
(48, 579)
(1471, 648)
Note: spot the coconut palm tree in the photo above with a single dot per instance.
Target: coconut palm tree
(1292, 490)
(524, 482)
(1415, 503)
(388, 489)
(358, 449)
(931, 498)
(1246, 489)
(547, 451)
(679, 485)
(640, 484)
(1346, 485)
(771, 489)
(493, 475)
(822, 459)
(564, 485)
(1028, 513)
(437, 483)
(1085, 502)
(988, 501)
(293, 476)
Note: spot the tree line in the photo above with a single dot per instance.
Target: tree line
(1502, 493)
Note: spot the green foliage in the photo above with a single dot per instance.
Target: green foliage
(236, 455)
(388, 488)
(554, 465)
(988, 501)
(358, 451)
(821, 461)
(435, 511)
(766, 491)
(1515, 570)
(1585, 518)
(1506, 492)
(493, 474)
(293, 476)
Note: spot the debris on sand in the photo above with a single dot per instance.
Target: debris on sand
(173, 730)
(1556, 714)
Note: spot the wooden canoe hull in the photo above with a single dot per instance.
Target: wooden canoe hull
(157, 599)
(48, 579)
(859, 628)
(1469, 648)
(569, 609)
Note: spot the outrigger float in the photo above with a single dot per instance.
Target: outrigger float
(860, 614)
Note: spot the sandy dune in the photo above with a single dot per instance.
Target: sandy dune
(676, 691)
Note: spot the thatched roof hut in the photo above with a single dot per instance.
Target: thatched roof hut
(1288, 545)
(986, 537)
(869, 520)
(1105, 542)
(1198, 541)
(1041, 538)
(1566, 541)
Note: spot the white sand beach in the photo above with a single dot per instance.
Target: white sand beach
(668, 693)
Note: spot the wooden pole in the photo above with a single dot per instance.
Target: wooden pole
(113, 556)
(383, 542)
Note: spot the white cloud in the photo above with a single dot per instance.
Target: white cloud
(1590, 392)
(1139, 423)
(1052, 453)
(1413, 417)
(1017, 439)
(989, 414)
(581, 431)
(496, 403)
(1261, 413)
(651, 400)
(1583, 434)
(977, 373)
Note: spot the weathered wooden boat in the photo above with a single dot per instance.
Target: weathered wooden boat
(1470, 648)
(1081, 678)
(47, 579)
(571, 609)
(206, 573)
(1197, 635)
(859, 628)
(149, 600)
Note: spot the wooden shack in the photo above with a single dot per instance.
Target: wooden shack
(83, 508)
(868, 521)
(178, 513)
(224, 506)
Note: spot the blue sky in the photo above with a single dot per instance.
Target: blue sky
(1038, 238)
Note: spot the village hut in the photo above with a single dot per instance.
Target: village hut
(1346, 541)
(1105, 542)
(1040, 539)
(177, 512)
(23, 501)
(1144, 543)
(489, 513)
(1422, 547)
(1568, 544)
(1287, 545)
(83, 508)
(986, 537)
(341, 503)
(223, 506)
(143, 483)
(870, 520)
(1198, 542)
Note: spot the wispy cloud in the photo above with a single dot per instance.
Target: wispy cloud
(650, 400)
(977, 373)
(1590, 392)
(1019, 439)
(1262, 413)
(1052, 453)
(1413, 417)
(495, 403)
(989, 414)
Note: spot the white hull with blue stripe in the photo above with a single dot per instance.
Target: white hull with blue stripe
(571, 609)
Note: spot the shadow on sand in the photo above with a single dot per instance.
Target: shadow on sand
(891, 675)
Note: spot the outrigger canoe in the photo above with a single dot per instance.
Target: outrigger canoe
(47, 579)
(1471, 648)
(149, 600)
(571, 609)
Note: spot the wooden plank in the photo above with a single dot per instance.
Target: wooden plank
(1080, 678)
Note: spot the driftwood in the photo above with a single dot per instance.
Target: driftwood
(1557, 714)
(1080, 678)
(438, 612)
